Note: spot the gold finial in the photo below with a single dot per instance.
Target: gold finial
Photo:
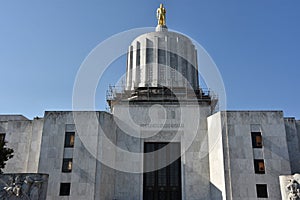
(161, 15)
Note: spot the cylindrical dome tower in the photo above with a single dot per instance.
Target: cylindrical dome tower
(162, 59)
(162, 66)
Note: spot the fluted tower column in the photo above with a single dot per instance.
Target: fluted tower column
(162, 58)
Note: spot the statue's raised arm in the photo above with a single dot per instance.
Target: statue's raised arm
(161, 15)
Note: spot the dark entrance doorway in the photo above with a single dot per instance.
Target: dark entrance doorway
(165, 183)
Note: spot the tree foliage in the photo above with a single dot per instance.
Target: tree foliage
(5, 154)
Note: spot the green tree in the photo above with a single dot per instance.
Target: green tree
(5, 154)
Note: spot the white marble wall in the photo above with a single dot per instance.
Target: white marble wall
(89, 178)
(216, 148)
(240, 178)
(293, 139)
(24, 137)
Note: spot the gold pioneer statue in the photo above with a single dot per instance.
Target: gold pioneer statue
(161, 15)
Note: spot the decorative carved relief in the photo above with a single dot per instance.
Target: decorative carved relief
(23, 186)
(293, 188)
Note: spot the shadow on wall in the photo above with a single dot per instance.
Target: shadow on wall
(270, 148)
(215, 193)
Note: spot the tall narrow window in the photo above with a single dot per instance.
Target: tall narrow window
(194, 75)
(138, 63)
(259, 166)
(162, 68)
(138, 54)
(184, 68)
(162, 56)
(174, 66)
(256, 139)
(149, 51)
(149, 55)
(2, 137)
(261, 190)
(69, 139)
(67, 165)
(131, 57)
(130, 64)
(65, 189)
(149, 60)
(174, 61)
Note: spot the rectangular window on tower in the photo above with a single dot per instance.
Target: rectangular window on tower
(67, 165)
(259, 166)
(173, 61)
(261, 190)
(162, 56)
(131, 57)
(149, 55)
(256, 139)
(64, 189)
(138, 54)
(69, 139)
(149, 51)
(184, 68)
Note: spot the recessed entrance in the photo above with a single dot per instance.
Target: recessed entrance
(164, 183)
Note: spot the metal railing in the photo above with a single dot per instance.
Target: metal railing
(150, 93)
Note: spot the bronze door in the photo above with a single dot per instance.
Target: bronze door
(164, 183)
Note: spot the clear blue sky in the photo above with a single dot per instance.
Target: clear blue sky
(254, 43)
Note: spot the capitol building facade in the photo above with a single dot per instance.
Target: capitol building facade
(164, 138)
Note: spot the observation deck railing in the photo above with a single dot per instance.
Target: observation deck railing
(117, 94)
